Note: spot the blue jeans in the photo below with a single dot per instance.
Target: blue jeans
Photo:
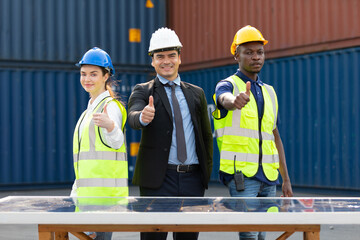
(253, 188)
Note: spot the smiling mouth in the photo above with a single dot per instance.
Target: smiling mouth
(167, 65)
(167, 69)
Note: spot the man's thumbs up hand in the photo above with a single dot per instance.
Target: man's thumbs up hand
(243, 98)
(248, 87)
(148, 113)
(151, 101)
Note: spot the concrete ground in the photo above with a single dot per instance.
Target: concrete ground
(328, 232)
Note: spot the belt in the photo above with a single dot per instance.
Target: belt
(184, 168)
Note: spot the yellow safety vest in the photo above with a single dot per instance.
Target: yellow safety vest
(238, 134)
(100, 170)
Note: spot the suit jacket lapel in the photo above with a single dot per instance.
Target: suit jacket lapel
(159, 89)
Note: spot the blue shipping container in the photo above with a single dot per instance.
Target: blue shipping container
(319, 114)
(319, 110)
(61, 31)
(40, 109)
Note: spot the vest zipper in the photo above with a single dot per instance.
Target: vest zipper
(260, 135)
(260, 143)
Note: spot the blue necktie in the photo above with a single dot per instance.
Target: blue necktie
(180, 137)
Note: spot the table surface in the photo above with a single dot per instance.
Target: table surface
(178, 210)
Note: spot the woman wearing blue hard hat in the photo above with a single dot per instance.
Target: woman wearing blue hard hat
(100, 162)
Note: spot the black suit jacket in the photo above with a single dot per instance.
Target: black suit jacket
(152, 159)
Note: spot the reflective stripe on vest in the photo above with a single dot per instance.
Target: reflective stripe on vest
(238, 134)
(101, 182)
(99, 169)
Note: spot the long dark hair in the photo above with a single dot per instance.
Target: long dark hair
(110, 83)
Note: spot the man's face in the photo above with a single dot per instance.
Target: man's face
(166, 64)
(251, 57)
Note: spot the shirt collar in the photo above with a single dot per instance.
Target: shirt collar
(246, 78)
(103, 95)
(165, 81)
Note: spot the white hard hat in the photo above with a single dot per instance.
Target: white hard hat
(164, 39)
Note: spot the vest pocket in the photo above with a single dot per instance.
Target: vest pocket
(250, 114)
(238, 144)
(248, 119)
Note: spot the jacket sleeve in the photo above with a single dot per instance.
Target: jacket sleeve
(206, 133)
(137, 102)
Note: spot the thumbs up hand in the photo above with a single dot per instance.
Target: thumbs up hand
(248, 88)
(242, 98)
(102, 120)
(148, 113)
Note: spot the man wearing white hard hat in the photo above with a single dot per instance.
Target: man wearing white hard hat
(175, 154)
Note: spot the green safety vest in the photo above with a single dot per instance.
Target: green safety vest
(238, 134)
(100, 170)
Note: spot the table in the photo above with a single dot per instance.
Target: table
(56, 216)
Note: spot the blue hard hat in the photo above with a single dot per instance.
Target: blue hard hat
(98, 57)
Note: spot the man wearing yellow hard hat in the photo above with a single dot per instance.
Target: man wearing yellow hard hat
(245, 121)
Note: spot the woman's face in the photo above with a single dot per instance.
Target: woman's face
(93, 80)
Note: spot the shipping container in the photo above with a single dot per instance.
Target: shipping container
(40, 110)
(206, 28)
(62, 31)
(319, 114)
(319, 108)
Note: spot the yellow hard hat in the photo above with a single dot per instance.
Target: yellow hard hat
(247, 34)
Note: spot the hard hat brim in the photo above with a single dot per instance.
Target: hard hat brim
(109, 69)
(234, 46)
(164, 50)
